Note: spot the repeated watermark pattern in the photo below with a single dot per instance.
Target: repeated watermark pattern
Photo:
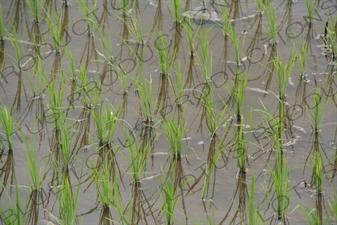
(200, 91)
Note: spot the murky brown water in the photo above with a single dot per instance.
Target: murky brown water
(227, 197)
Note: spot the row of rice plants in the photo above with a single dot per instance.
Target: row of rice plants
(238, 92)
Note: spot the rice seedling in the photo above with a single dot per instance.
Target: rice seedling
(333, 206)
(317, 114)
(19, 51)
(103, 183)
(174, 133)
(57, 30)
(205, 61)
(35, 177)
(136, 30)
(7, 170)
(310, 215)
(283, 75)
(119, 70)
(13, 214)
(318, 172)
(138, 161)
(68, 203)
(229, 30)
(123, 6)
(2, 26)
(107, 55)
(210, 112)
(8, 124)
(260, 5)
(147, 104)
(105, 118)
(36, 83)
(168, 195)
(272, 21)
(280, 173)
(35, 8)
(55, 103)
(22, 63)
(163, 53)
(190, 34)
(311, 11)
(90, 95)
(254, 215)
(240, 140)
(89, 16)
(118, 203)
(318, 109)
(214, 154)
(176, 9)
(36, 173)
(211, 219)
(281, 182)
(239, 87)
(302, 57)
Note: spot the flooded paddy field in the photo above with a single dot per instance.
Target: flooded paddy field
(168, 112)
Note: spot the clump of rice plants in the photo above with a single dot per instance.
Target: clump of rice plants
(68, 203)
(138, 158)
(19, 51)
(37, 84)
(168, 195)
(205, 60)
(318, 109)
(241, 147)
(35, 178)
(35, 8)
(254, 215)
(163, 53)
(174, 133)
(283, 75)
(147, 104)
(123, 6)
(176, 9)
(311, 11)
(136, 30)
(103, 182)
(13, 213)
(90, 17)
(119, 70)
(106, 120)
(190, 35)
(8, 124)
(317, 114)
(57, 30)
(272, 21)
(36, 173)
(280, 173)
(214, 154)
(302, 57)
(118, 203)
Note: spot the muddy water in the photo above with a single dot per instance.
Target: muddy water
(227, 196)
